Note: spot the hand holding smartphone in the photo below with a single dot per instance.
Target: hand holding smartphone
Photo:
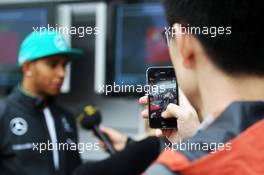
(163, 91)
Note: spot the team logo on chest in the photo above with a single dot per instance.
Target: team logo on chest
(18, 126)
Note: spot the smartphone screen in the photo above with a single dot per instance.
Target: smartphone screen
(163, 90)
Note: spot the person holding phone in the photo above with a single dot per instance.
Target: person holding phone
(221, 72)
(221, 80)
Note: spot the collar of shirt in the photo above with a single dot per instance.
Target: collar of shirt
(20, 94)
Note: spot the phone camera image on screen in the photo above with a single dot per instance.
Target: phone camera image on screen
(163, 91)
(165, 95)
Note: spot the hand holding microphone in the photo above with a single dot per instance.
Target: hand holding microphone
(118, 139)
(90, 119)
(134, 159)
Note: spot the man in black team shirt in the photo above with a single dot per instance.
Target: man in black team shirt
(30, 116)
(220, 67)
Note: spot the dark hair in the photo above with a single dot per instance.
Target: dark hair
(242, 51)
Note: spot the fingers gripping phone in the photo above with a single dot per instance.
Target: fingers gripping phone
(163, 90)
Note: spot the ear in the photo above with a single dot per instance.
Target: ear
(27, 69)
(185, 45)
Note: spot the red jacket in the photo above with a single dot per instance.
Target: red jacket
(241, 126)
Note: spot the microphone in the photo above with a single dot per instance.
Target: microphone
(90, 119)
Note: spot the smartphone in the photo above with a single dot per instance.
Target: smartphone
(163, 90)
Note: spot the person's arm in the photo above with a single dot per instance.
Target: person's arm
(133, 160)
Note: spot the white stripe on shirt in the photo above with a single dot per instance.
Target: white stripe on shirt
(53, 136)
